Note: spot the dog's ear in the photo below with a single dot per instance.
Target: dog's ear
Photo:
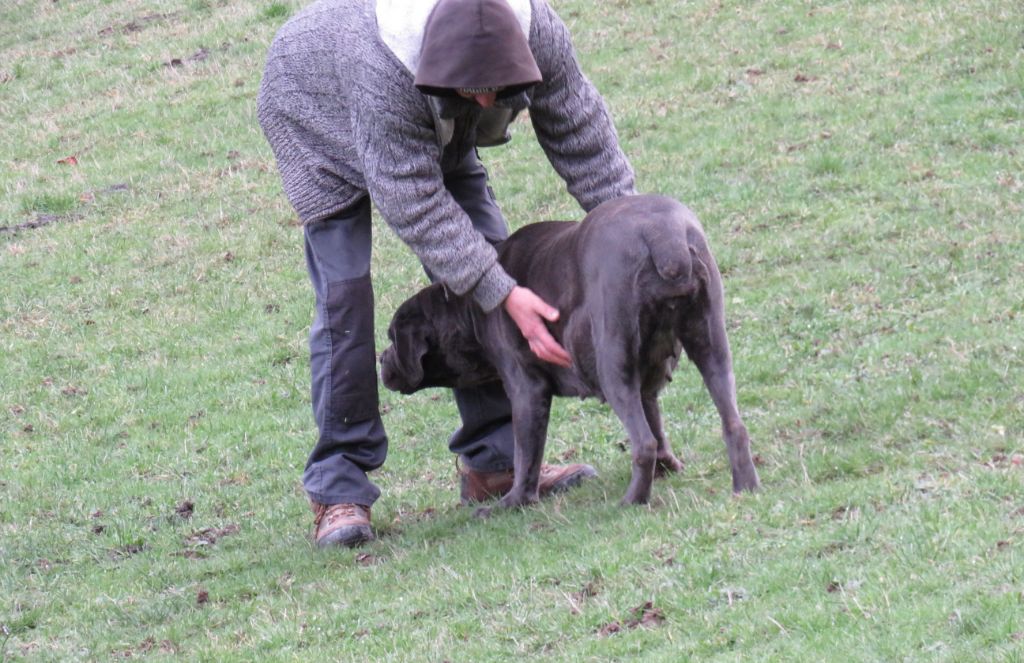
(410, 342)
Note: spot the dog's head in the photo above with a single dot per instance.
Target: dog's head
(434, 344)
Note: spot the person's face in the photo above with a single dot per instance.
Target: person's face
(485, 98)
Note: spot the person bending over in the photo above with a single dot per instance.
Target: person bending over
(387, 101)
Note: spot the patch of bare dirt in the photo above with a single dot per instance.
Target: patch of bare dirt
(137, 24)
(210, 535)
(646, 616)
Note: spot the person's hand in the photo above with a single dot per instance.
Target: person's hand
(529, 312)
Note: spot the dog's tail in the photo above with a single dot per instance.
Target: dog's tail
(670, 250)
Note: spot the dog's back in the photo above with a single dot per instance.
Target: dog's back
(648, 237)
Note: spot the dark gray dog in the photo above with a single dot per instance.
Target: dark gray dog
(635, 283)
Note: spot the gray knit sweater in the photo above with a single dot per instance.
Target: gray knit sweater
(339, 109)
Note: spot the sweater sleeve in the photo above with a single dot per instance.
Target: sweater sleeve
(571, 120)
(401, 164)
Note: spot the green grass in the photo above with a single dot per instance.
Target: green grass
(858, 168)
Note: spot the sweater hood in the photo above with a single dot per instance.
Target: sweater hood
(474, 44)
(448, 44)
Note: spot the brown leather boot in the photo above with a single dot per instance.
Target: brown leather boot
(480, 486)
(341, 524)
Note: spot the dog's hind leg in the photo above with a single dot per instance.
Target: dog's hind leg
(628, 405)
(707, 345)
(665, 461)
(617, 370)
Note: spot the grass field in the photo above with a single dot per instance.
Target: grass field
(859, 169)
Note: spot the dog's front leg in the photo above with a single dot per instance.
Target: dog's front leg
(531, 408)
(530, 412)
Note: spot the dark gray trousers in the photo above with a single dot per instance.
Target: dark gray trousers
(343, 362)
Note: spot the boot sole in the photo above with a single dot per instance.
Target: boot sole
(346, 537)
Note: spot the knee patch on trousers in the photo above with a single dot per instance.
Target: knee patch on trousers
(354, 396)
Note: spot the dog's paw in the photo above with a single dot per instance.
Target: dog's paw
(666, 465)
(745, 480)
(514, 500)
(747, 486)
(483, 512)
